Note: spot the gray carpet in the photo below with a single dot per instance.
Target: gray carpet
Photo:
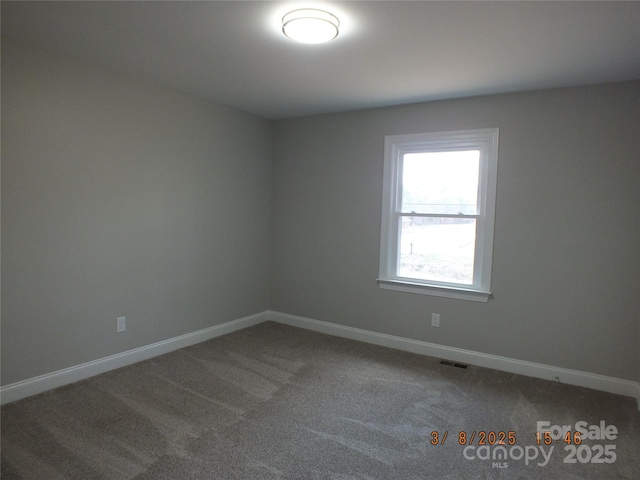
(276, 402)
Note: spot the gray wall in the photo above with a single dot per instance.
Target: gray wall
(566, 270)
(121, 198)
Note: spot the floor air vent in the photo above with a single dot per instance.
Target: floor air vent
(452, 364)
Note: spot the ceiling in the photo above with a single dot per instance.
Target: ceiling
(387, 53)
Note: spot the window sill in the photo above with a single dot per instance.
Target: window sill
(438, 291)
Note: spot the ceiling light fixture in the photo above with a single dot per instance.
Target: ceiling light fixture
(309, 25)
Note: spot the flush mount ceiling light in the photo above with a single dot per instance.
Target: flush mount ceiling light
(308, 25)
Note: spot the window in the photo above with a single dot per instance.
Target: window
(438, 209)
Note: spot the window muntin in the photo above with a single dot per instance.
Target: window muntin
(438, 213)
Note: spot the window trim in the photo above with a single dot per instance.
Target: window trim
(485, 140)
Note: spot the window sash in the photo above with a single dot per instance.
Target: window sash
(428, 166)
(448, 260)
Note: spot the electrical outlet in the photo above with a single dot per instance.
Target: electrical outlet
(121, 324)
(435, 319)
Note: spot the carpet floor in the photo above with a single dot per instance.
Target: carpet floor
(277, 402)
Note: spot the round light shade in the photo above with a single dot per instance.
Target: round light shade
(309, 25)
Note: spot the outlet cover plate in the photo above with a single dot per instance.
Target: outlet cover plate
(121, 324)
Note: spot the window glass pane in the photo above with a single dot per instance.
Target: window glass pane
(438, 249)
(440, 182)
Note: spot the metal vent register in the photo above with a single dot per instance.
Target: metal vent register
(453, 364)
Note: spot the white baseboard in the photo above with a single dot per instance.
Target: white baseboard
(572, 377)
(42, 383)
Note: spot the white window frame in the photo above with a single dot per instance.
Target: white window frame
(484, 140)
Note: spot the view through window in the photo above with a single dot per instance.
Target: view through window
(437, 218)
